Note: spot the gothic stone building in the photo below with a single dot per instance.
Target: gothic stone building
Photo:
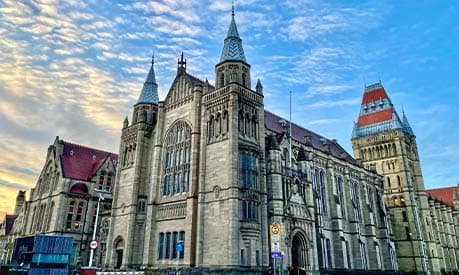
(210, 167)
(383, 140)
(443, 203)
(64, 200)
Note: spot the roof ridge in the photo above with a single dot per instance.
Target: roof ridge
(91, 148)
(197, 78)
(446, 187)
(299, 126)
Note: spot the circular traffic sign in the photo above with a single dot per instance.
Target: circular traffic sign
(93, 244)
(275, 229)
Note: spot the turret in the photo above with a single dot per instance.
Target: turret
(145, 108)
(259, 87)
(233, 67)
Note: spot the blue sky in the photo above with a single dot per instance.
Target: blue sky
(74, 68)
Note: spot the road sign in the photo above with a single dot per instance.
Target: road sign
(274, 229)
(93, 244)
(276, 255)
(179, 247)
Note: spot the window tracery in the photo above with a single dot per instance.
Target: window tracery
(177, 159)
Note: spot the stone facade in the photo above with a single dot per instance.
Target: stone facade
(64, 200)
(385, 142)
(207, 167)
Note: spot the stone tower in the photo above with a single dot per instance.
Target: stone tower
(383, 140)
(232, 200)
(125, 243)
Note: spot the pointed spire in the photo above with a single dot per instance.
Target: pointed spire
(259, 87)
(181, 63)
(232, 49)
(149, 93)
(406, 124)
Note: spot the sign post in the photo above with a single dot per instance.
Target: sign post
(275, 238)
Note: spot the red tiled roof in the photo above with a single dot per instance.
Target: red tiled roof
(299, 133)
(374, 95)
(376, 117)
(81, 162)
(445, 194)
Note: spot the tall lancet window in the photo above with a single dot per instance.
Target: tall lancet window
(176, 164)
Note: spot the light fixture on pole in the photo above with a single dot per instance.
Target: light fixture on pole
(94, 243)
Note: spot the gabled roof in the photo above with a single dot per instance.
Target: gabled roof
(196, 81)
(80, 162)
(272, 122)
(149, 93)
(444, 194)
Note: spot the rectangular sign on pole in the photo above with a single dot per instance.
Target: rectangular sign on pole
(275, 238)
(276, 255)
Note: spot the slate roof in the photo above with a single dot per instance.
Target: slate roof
(149, 93)
(196, 81)
(81, 163)
(444, 194)
(232, 48)
(377, 114)
(317, 141)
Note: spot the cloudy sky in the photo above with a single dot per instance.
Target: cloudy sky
(74, 68)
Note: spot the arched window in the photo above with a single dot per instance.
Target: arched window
(254, 127)
(247, 125)
(79, 216)
(225, 121)
(241, 122)
(222, 80)
(340, 190)
(177, 171)
(218, 124)
(100, 185)
(323, 193)
(355, 195)
(244, 80)
(108, 185)
(248, 170)
(70, 213)
(394, 149)
(50, 215)
(398, 181)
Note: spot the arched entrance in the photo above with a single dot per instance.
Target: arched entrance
(300, 253)
(119, 249)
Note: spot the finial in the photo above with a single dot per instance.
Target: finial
(153, 57)
(232, 8)
(181, 62)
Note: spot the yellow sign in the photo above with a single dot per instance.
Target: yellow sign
(275, 232)
(274, 229)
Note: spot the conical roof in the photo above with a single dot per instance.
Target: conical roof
(149, 93)
(406, 124)
(232, 49)
(377, 114)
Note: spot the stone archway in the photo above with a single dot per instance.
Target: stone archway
(119, 251)
(300, 252)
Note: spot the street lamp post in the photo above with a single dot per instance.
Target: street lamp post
(101, 198)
